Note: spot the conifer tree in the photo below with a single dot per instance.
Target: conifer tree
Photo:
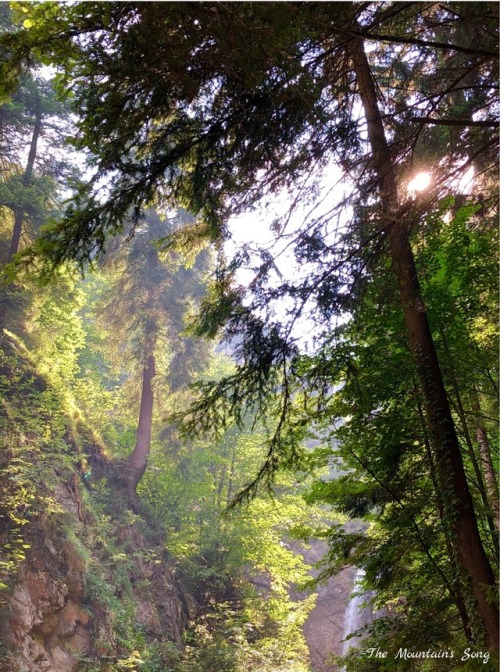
(34, 164)
(144, 312)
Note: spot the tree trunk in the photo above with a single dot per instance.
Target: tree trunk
(27, 178)
(488, 503)
(232, 474)
(455, 585)
(456, 495)
(137, 461)
(16, 234)
(487, 463)
(220, 486)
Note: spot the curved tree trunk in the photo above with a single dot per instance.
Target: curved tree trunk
(451, 474)
(138, 460)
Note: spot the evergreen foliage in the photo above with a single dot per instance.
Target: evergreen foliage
(324, 112)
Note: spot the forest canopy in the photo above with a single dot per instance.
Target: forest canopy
(369, 131)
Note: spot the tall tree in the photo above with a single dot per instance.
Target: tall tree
(35, 166)
(145, 312)
(458, 504)
(384, 442)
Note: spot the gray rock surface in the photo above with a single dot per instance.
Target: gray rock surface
(324, 627)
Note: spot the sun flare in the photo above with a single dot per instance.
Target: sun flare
(420, 182)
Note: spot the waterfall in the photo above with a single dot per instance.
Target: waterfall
(358, 613)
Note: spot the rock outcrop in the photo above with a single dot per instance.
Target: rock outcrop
(54, 615)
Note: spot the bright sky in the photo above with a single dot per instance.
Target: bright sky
(254, 229)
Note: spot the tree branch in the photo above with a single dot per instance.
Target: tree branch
(454, 122)
(401, 39)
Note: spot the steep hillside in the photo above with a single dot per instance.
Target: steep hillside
(86, 584)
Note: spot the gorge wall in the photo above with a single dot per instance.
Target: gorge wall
(82, 578)
(84, 594)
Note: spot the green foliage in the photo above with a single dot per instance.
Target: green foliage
(148, 299)
(221, 555)
(224, 124)
(32, 428)
(247, 639)
(383, 445)
(193, 482)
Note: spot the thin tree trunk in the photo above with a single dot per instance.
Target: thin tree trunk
(16, 234)
(26, 179)
(232, 473)
(483, 489)
(138, 460)
(487, 463)
(459, 506)
(220, 486)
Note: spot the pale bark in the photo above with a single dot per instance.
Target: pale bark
(138, 460)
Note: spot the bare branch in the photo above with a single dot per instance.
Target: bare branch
(402, 39)
(454, 122)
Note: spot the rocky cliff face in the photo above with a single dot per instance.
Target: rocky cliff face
(325, 625)
(85, 584)
(70, 604)
(45, 621)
